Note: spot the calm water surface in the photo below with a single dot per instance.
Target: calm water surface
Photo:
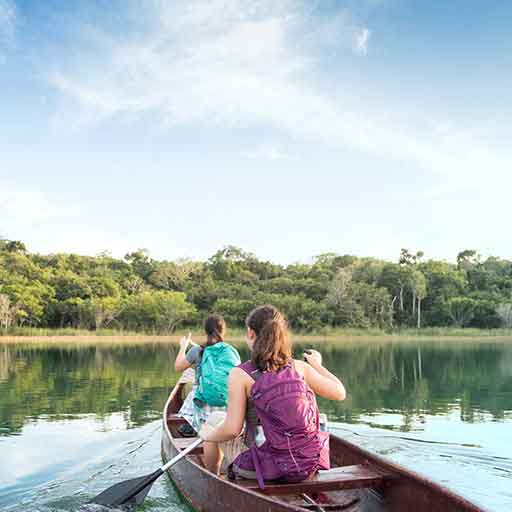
(76, 419)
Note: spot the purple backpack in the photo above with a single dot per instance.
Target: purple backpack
(294, 447)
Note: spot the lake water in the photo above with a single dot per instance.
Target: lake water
(76, 419)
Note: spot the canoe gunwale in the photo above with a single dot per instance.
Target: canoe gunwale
(401, 479)
(227, 485)
(409, 475)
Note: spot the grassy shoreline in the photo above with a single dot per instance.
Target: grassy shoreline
(31, 335)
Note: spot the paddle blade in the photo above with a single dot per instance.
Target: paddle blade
(135, 490)
(128, 492)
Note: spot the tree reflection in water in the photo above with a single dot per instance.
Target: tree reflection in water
(411, 379)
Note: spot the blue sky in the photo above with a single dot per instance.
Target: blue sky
(288, 128)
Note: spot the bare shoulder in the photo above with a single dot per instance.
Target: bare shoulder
(300, 366)
(239, 381)
(239, 376)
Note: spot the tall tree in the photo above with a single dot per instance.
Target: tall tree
(504, 311)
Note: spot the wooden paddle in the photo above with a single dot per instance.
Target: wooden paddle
(134, 491)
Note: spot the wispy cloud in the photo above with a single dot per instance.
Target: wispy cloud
(215, 60)
(236, 62)
(361, 41)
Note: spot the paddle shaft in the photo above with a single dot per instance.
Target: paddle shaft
(148, 481)
(180, 455)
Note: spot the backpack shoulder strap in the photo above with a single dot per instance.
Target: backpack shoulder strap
(256, 374)
(231, 348)
(251, 370)
(291, 365)
(200, 357)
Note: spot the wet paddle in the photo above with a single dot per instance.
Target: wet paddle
(134, 491)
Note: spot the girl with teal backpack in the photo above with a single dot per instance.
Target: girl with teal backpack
(216, 361)
(212, 362)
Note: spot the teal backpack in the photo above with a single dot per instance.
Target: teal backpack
(216, 363)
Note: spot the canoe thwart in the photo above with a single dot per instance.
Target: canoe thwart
(184, 442)
(344, 477)
(176, 418)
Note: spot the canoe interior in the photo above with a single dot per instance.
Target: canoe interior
(357, 482)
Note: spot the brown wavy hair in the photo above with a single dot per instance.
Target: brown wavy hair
(215, 329)
(272, 348)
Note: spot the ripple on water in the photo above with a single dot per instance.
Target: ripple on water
(449, 463)
(59, 487)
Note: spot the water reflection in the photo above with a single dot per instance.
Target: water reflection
(64, 382)
(413, 381)
(424, 379)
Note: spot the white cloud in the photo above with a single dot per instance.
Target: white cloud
(200, 60)
(361, 41)
(236, 62)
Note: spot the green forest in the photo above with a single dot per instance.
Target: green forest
(139, 293)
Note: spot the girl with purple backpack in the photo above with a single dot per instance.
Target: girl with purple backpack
(278, 392)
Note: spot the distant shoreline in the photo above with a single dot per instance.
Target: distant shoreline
(70, 336)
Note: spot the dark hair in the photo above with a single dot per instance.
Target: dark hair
(272, 348)
(215, 329)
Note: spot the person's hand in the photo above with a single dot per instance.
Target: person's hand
(205, 431)
(313, 357)
(185, 341)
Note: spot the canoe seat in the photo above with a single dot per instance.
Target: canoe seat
(336, 479)
(176, 418)
(184, 442)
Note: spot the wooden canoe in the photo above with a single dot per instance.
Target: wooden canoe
(359, 481)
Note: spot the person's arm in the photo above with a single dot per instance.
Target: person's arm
(181, 363)
(231, 427)
(320, 379)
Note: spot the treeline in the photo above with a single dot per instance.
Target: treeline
(142, 294)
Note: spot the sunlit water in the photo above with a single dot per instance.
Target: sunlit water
(75, 420)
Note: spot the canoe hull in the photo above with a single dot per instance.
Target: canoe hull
(207, 494)
(405, 492)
